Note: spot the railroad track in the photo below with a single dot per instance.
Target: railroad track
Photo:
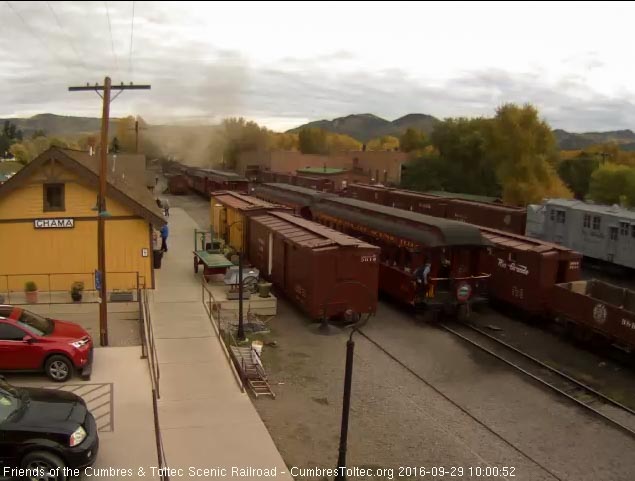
(612, 411)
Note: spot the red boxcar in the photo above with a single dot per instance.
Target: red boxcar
(177, 184)
(416, 202)
(369, 193)
(497, 216)
(322, 271)
(525, 270)
(315, 183)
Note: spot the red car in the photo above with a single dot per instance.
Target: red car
(30, 342)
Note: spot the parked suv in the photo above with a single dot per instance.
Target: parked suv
(30, 342)
(44, 431)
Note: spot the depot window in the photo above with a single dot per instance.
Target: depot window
(597, 222)
(587, 220)
(54, 197)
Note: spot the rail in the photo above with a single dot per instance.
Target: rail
(610, 410)
(55, 288)
(223, 334)
(149, 352)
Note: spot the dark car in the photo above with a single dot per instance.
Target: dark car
(30, 342)
(44, 431)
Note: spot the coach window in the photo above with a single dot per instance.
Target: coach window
(587, 220)
(53, 197)
(613, 233)
(623, 228)
(561, 217)
(597, 222)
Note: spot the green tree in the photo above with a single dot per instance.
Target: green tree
(576, 173)
(413, 140)
(313, 140)
(613, 184)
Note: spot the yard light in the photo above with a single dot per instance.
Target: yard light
(348, 372)
(240, 335)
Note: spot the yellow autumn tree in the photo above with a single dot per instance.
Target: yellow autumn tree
(523, 149)
(385, 142)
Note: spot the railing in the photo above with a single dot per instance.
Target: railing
(149, 352)
(223, 333)
(54, 288)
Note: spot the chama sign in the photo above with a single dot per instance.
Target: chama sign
(64, 223)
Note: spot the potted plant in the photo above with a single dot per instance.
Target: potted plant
(30, 290)
(77, 288)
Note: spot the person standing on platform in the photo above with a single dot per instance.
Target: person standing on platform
(164, 238)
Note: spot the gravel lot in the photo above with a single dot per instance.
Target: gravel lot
(398, 420)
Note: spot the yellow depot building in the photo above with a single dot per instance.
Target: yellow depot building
(48, 223)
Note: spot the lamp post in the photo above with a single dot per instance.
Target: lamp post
(240, 335)
(348, 372)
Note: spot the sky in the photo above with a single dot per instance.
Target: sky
(283, 64)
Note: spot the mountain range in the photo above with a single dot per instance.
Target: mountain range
(58, 125)
(362, 127)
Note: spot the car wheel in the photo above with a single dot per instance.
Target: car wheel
(48, 467)
(59, 368)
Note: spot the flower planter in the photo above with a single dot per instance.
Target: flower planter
(31, 297)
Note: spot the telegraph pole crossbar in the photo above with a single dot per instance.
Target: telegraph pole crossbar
(101, 199)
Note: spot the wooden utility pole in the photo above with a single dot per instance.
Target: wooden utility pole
(136, 131)
(101, 199)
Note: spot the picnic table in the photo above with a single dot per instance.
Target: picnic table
(208, 254)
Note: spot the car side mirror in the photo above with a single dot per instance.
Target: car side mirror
(28, 339)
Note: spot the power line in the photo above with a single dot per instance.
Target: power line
(68, 37)
(39, 39)
(112, 41)
(131, 35)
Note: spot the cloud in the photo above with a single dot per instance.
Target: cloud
(196, 75)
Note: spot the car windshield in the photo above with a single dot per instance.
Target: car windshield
(9, 400)
(34, 323)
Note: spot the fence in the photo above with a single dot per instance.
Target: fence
(54, 288)
(149, 352)
(223, 333)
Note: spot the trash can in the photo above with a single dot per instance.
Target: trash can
(157, 255)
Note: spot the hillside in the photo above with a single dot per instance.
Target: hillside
(364, 127)
(57, 125)
(571, 141)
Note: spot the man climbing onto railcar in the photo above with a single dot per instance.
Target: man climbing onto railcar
(421, 277)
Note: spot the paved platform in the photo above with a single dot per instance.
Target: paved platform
(206, 421)
(119, 396)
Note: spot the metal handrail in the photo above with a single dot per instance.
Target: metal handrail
(221, 334)
(5, 286)
(149, 352)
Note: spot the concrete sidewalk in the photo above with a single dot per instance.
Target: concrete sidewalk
(206, 422)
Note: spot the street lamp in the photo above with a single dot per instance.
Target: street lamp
(241, 330)
(348, 373)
